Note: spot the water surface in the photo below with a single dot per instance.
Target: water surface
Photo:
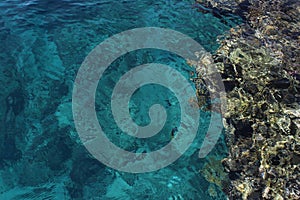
(43, 43)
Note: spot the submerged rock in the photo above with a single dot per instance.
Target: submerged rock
(16, 101)
(283, 83)
(230, 85)
(259, 62)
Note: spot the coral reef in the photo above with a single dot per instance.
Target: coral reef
(259, 64)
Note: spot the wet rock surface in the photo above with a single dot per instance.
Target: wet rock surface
(259, 63)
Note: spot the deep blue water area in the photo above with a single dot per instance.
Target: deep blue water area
(43, 44)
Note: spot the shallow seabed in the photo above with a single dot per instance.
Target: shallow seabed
(43, 44)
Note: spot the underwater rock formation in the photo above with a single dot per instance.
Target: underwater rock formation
(12, 103)
(259, 63)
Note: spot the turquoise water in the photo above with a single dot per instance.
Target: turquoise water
(43, 43)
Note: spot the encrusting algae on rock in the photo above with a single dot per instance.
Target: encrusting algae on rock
(213, 171)
(259, 64)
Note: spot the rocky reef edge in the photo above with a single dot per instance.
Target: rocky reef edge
(260, 68)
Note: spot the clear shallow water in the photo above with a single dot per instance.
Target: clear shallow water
(43, 43)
